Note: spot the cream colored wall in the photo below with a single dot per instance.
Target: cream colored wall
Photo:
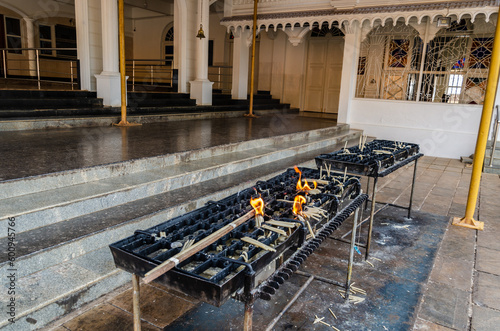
(294, 74)
(148, 37)
(281, 67)
(266, 62)
(218, 35)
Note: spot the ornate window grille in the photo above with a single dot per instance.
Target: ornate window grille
(454, 68)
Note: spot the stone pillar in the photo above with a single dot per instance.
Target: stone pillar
(108, 82)
(201, 87)
(83, 41)
(352, 44)
(241, 56)
(30, 38)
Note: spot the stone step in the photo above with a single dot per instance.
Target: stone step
(41, 94)
(62, 266)
(51, 206)
(50, 103)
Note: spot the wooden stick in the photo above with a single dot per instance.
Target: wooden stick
(310, 229)
(273, 229)
(319, 181)
(181, 256)
(332, 313)
(258, 244)
(282, 223)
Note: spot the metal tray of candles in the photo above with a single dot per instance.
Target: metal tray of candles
(216, 272)
(367, 159)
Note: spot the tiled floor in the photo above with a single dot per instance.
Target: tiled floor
(463, 290)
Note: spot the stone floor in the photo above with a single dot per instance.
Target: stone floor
(461, 293)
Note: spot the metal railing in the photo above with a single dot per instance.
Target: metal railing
(495, 136)
(149, 72)
(222, 77)
(30, 64)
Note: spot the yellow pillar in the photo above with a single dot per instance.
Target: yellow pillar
(252, 71)
(121, 32)
(482, 139)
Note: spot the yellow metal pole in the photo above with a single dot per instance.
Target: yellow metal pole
(482, 139)
(121, 29)
(252, 72)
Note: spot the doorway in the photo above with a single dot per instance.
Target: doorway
(324, 71)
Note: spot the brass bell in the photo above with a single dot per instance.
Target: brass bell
(201, 33)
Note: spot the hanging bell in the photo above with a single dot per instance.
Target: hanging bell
(201, 33)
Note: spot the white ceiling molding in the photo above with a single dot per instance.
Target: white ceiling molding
(374, 15)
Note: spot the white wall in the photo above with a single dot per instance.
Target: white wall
(442, 130)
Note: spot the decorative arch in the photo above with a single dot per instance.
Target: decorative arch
(167, 44)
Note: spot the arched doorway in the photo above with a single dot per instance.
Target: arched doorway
(168, 45)
(324, 70)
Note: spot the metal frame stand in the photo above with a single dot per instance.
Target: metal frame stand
(373, 203)
(351, 253)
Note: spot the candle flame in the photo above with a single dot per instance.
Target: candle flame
(297, 204)
(306, 186)
(258, 205)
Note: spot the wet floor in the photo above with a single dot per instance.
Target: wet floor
(28, 153)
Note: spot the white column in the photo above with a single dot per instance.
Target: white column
(181, 44)
(352, 44)
(83, 41)
(108, 82)
(30, 38)
(201, 87)
(241, 55)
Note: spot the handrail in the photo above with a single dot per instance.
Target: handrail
(34, 66)
(153, 73)
(495, 137)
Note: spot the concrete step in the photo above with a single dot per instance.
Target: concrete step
(58, 203)
(64, 265)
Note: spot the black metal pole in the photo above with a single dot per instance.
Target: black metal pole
(412, 187)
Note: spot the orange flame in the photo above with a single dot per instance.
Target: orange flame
(258, 205)
(297, 204)
(306, 186)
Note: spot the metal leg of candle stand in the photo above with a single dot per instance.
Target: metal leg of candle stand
(248, 316)
(351, 254)
(372, 212)
(412, 187)
(367, 190)
(135, 302)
